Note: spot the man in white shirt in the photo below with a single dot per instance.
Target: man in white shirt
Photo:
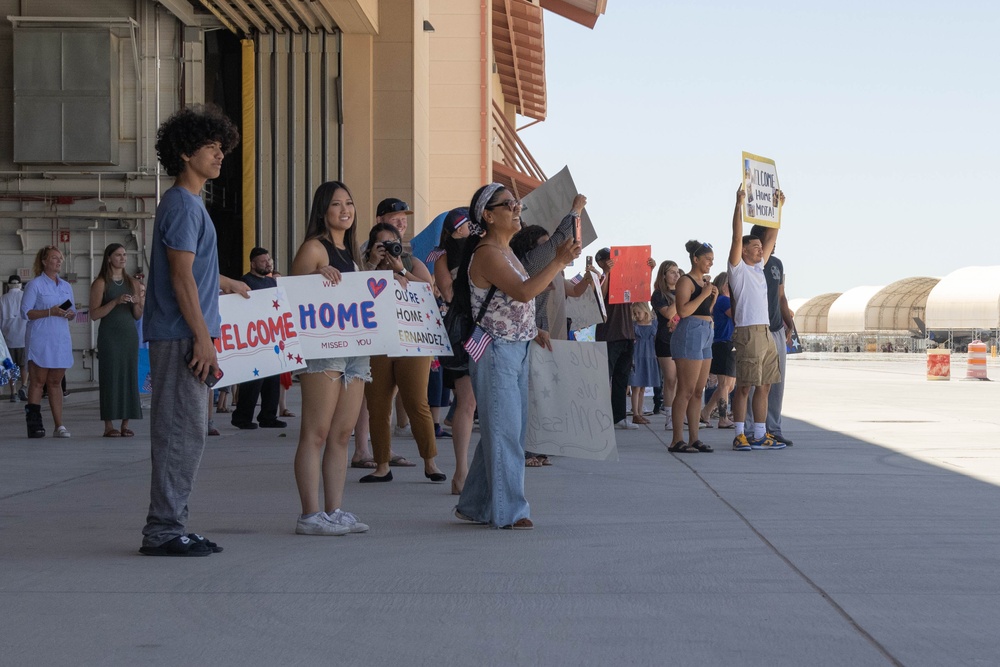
(756, 358)
(13, 327)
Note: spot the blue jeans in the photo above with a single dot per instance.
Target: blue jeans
(494, 489)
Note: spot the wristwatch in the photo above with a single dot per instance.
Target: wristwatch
(402, 272)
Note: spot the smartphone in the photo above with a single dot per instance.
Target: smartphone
(576, 230)
(590, 261)
(214, 374)
(66, 305)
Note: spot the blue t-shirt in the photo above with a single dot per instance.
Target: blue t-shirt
(723, 323)
(182, 223)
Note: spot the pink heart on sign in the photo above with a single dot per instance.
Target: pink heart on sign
(376, 286)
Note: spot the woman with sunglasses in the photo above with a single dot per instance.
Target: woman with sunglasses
(664, 305)
(490, 274)
(691, 345)
(47, 304)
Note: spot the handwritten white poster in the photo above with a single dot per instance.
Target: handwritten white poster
(588, 308)
(258, 338)
(569, 402)
(356, 317)
(760, 180)
(421, 326)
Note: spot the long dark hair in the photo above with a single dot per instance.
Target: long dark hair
(452, 247)
(316, 225)
(462, 298)
(105, 271)
(373, 234)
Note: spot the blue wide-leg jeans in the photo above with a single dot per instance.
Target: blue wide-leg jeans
(494, 489)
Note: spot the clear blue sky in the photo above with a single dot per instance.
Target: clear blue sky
(882, 117)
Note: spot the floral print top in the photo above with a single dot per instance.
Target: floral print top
(505, 318)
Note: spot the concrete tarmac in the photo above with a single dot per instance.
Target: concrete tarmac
(873, 540)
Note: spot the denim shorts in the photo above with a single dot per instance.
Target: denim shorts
(350, 368)
(692, 339)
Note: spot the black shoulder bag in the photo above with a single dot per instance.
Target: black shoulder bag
(460, 327)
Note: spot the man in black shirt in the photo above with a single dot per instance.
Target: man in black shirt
(267, 389)
(619, 334)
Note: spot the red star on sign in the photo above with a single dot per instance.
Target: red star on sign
(298, 359)
(290, 355)
(275, 302)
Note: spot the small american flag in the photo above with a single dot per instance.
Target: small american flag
(478, 342)
(576, 279)
(434, 256)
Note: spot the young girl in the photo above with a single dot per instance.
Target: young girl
(645, 372)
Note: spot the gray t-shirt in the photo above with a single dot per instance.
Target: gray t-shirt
(774, 274)
(182, 223)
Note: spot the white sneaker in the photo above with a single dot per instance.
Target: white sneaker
(318, 524)
(402, 432)
(61, 432)
(348, 521)
(626, 425)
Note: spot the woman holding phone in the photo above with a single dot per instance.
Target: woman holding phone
(48, 306)
(117, 300)
(664, 305)
(691, 345)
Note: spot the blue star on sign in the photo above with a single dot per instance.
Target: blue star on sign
(256, 372)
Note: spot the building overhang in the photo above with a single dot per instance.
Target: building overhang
(519, 53)
(246, 16)
(584, 12)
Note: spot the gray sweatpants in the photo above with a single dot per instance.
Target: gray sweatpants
(178, 427)
(777, 393)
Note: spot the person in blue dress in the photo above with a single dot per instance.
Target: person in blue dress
(645, 372)
(48, 306)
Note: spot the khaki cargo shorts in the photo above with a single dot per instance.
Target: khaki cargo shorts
(756, 358)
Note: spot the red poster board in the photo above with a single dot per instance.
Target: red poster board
(630, 276)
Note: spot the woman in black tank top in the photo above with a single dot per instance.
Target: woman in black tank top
(332, 389)
(691, 345)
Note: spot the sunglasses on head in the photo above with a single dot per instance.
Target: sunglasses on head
(398, 206)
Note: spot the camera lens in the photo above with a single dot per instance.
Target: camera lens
(393, 248)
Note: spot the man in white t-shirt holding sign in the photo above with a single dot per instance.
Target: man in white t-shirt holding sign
(756, 358)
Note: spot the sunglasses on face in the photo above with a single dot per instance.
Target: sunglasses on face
(511, 204)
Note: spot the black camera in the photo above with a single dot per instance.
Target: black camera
(392, 248)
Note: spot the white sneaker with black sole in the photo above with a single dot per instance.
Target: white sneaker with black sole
(319, 524)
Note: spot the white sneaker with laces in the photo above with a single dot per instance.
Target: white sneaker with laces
(318, 524)
(626, 425)
(61, 432)
(348, 520)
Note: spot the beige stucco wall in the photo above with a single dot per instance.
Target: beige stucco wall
(455, 81)
(359, 126)
(401, 96)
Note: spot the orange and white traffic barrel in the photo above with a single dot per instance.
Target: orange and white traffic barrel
(976, 368)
